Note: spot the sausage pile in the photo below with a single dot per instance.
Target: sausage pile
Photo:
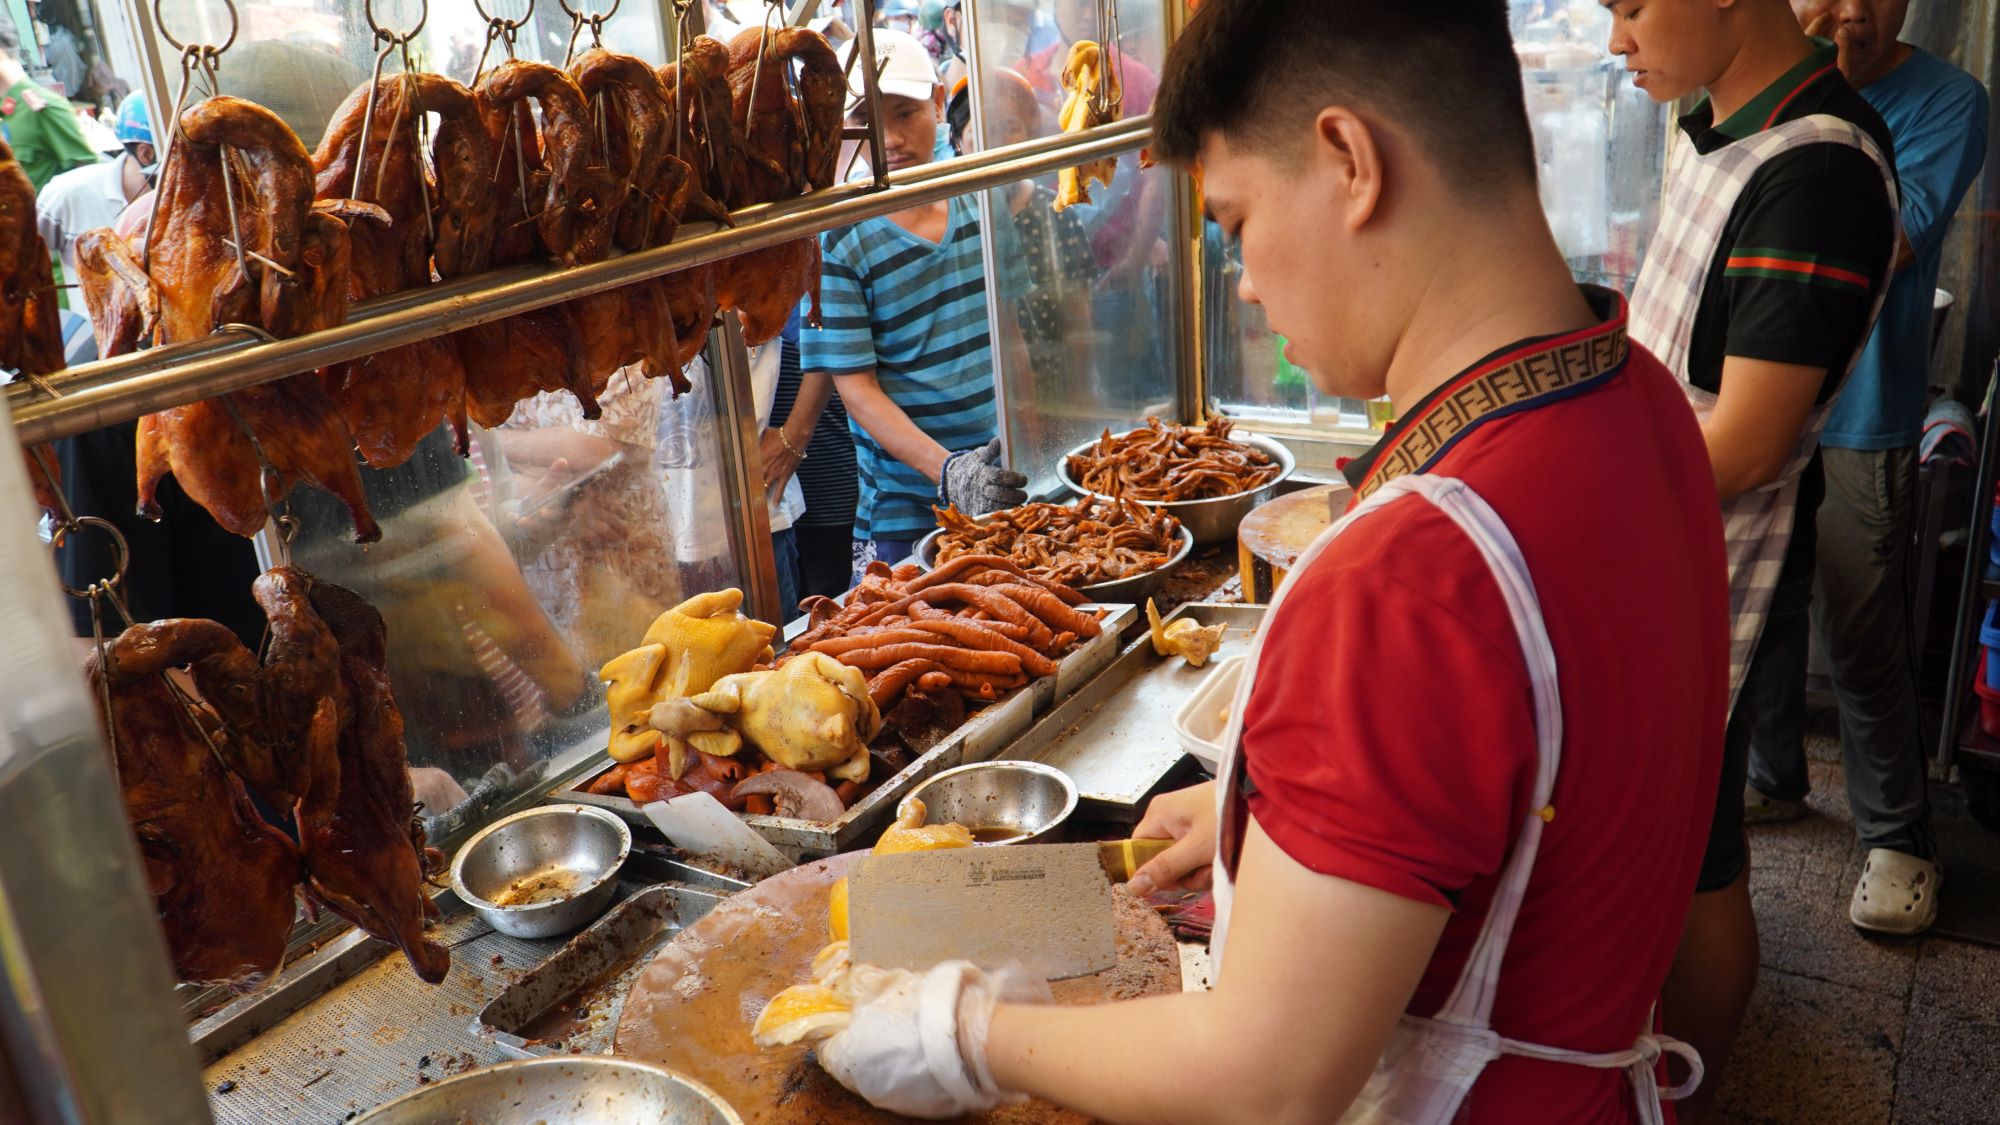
(1093, 540)
(1163, 464)
(980, 624)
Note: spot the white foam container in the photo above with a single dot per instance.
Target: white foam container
(1201, 721)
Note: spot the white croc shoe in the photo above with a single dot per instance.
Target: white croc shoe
(1897, 894)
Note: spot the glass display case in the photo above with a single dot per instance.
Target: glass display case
(1082, 297)
(1600, 148)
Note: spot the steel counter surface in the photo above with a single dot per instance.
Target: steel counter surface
(1115, 737)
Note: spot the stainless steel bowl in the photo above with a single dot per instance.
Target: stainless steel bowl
(542, 872)
(1003, 802)
(1211, 521)
(561, 1090)
(1133, 588)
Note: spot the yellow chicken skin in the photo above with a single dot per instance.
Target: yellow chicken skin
(908, 833)
(810, 713)
(1093, 96)
(685, 651)
(1185, 638)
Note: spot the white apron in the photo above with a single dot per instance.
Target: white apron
(1429, 1065)
(1702, 189)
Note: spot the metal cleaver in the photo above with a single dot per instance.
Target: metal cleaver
(1046, 906)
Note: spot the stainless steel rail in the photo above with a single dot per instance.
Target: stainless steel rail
(98, 394)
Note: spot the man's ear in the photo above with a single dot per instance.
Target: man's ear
(1347, 143)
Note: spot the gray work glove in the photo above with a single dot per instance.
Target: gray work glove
(973, 483)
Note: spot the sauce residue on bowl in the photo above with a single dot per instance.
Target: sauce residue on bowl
(547, 885)
(998, 834)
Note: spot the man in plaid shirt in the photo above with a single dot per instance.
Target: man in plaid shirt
(1774, 249)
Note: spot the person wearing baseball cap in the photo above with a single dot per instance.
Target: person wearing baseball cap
(904, 333)
(92, 196)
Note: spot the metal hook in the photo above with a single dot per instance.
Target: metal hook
(1112, 63)
(160, 21)
(190, 62)
(121, 550)
(423, 16)
(391, 42)
(771, 9)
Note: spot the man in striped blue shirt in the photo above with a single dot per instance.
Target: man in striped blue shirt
(905, 337)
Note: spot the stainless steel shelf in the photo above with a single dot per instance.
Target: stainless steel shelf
(92, 395)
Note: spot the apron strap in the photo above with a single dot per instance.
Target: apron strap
(1472, 999)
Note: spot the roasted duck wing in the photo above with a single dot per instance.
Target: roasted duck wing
(364, 850)
(221, 878)
(295, 283)
(30, 336)
(392, 399)
(123, 304)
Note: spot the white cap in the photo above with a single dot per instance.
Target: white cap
(906, 67)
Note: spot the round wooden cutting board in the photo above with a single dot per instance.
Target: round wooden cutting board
(1273, 536)
(692, 1008)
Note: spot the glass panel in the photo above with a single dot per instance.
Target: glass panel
(1089, 300)
(510, 577)
(1600, 146)
(1601, 142)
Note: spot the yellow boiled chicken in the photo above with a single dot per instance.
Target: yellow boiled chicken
(810, 713)
(1093, 96)
(1185, 638)
(813, 1011)
(685, 651)
(908, 833)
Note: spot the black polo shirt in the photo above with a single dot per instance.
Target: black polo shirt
(1806, 249)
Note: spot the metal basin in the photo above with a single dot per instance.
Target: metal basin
(542, 872)
(1003, 802)
(1211, 521)
(1131, 589)
(563, 1090)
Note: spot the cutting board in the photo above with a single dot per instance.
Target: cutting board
(692, 1008)
(1273, 536)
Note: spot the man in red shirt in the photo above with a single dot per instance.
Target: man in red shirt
(1477, 756)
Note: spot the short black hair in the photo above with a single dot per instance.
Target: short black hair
(1260, 69)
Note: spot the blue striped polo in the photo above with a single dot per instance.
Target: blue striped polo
(914, 313)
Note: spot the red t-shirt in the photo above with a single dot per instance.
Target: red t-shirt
(1390, 737)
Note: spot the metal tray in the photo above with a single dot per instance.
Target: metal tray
(350, 1027)
(982, 736)
(572, 1001)
(1115, 738)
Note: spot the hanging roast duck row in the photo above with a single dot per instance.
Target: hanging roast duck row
(533, 161)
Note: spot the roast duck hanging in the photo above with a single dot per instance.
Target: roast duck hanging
(313, 729)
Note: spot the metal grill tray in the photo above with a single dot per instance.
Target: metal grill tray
(350, 1027)
(981, 737)
(1115, 738)
(572, 1001)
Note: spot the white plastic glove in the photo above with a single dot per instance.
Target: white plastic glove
(916, 1044)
